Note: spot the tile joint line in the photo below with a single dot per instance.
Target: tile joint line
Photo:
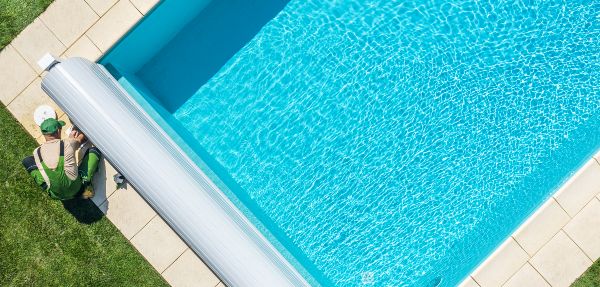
(179, 256)
(136, 233)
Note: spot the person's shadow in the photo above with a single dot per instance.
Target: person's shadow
(84, 210)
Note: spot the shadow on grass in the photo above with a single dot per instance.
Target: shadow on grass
(84, 210)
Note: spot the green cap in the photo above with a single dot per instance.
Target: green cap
(50, 126)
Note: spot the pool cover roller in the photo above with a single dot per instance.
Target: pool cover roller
(165, 176)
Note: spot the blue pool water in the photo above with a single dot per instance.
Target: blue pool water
(383, 143)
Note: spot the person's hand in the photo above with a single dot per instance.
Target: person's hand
(77, 135)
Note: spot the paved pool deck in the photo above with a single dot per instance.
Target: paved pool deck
(552, 248)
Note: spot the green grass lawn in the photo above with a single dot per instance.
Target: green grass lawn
(591, 278)
(15, 15)
(42, 244)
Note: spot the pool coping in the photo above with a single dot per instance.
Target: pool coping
(556, 244)
(553, 247)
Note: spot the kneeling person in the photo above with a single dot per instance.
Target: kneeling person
(53, 165)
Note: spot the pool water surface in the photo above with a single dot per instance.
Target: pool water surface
(383, 143)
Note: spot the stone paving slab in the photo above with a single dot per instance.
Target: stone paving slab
(113, 25)
(588, 239)
(84, 48)
(101, 6)
(68, 19)
(501, 265)
(189, 270)
(128, 211)
(527, 276)
(16, 74)
(35, 41)
(541, 226)
(560, 261)
(580, 189)
(159, 243)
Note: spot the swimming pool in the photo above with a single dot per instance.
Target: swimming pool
(375, 142)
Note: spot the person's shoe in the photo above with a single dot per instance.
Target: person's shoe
(88, 192)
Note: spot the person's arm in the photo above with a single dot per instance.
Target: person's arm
(39, 179)
(70, 164)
